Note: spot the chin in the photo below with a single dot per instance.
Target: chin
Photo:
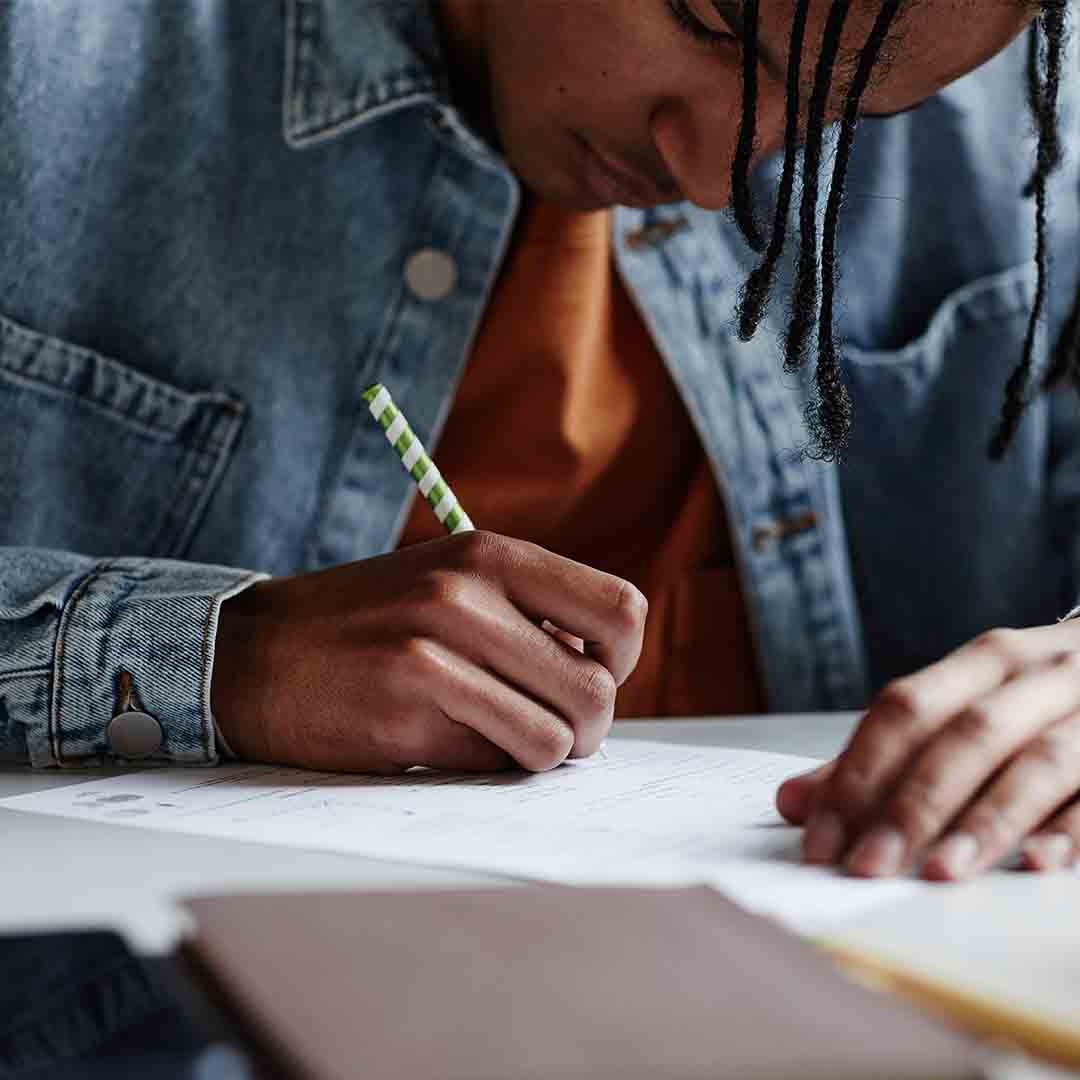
(545, 172)
(558, 188)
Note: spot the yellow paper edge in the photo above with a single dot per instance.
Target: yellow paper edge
(980, 1014)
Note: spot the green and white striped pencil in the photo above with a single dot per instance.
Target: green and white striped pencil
(420, 467)
(416, 461)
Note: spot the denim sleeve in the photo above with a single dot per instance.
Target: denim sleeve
(71, 625)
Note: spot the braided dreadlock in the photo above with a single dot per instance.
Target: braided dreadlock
(755, 294)
(829, 417)
(1044, 80)
(813, 303)
(744, 152)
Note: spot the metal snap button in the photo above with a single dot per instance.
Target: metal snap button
(656, 233)
(764, 535)
(134, 734)
(431, 274)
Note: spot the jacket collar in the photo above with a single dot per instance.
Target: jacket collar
(350, 61)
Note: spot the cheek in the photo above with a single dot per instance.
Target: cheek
(546, 94)
(551, 57)
(948, 55)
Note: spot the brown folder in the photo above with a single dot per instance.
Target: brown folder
(548, 983)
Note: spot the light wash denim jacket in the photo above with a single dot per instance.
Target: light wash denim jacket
(208, 214)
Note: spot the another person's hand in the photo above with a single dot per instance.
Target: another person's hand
(433, 655)
(957, 766)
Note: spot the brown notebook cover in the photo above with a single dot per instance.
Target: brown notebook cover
(547, 983)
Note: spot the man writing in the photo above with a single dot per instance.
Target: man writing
(220, 224)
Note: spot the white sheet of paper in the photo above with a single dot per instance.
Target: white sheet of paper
(642, 814)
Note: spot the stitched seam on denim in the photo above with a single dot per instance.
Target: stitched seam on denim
(306, 122)
(204, 681)
(29, 353)
(296, 57)
(49, 389)
(164, 434)
(430, 221)
(995, 298)
(723, 469)
(24, 673)
(59, 657)
(371, 365)
(794, 495)
(201, 474)
(347, 121)
(369, 372)
(456, 136)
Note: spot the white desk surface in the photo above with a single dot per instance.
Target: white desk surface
(61, 873)
(58, 872)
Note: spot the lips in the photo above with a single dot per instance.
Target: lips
(610, 181)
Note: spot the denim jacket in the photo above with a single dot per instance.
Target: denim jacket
(210, 217)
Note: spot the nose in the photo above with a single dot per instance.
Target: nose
(697, 138)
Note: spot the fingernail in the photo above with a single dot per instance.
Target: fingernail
(1050, 851)
(825, 838)
(956, 854)
(880, 853)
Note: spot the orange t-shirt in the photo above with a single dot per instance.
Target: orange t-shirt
(567, 431)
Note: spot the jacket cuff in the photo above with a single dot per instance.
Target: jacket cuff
(136, 640)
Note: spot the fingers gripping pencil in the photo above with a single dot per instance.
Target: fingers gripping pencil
(419, 466)
(416, 461)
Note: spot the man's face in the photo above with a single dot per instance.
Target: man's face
(638, 102)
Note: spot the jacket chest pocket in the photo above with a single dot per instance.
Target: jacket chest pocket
(925, 413)
(98, 458)
(948, 543)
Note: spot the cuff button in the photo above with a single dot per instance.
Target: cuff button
(134, 734)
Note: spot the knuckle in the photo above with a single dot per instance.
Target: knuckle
(904, 697)
(883, 733)
(629, 605)
(1070, 661)
(852, 785)
(597, 688)
(1003, 642)
(864, 769)
(481, 549)
(417, 657)
(443, 590)
(920, 808)
(1050, 750)
(976, 725)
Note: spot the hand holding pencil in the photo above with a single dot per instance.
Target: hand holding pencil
(431, 655)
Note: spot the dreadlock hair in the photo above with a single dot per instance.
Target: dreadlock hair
(829, 413)
(806, 300)
(742, 204)
(1044, 81)
(829, 417)
(755, 293)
